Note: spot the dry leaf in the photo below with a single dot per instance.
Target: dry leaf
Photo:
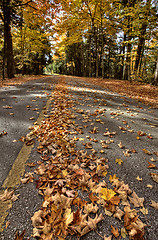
(154, 177)
(120, 145)
(119, 161)
(108, 238)
(115, 231)
(123, 232)
(151, 165)
(107, 194)
(19, 237)
(147, 152)
(144, 211)
(37, 218)
(137, 202)
(154, 204)
(139, 179)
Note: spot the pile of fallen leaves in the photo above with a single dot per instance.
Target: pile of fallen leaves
(19, 79)
(145, 93)
(75, 195)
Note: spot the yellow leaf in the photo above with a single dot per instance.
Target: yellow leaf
(119, 161)
(107, 194)
(64, 172)
(112, 178)
(68, 216)
(123, 232)
(144, 211)
(138, 178)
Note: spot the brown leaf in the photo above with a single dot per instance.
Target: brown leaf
(115, 231)
(151, 165)
(115, 200)
(154, 204)
(108, 238)
(92, 223)
(137, 202)
(37, 218)
(19, 237)
(118, 213)
(147, 152)
(154, 177)
(93, 198)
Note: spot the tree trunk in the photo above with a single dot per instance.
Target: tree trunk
(8, 39)
(142, 38)
(156, 74)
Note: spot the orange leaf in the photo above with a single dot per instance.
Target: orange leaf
(93, 198)
(115, 231)
(115, 200)
(151, 165)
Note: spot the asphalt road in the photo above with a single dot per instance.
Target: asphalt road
(118, 114)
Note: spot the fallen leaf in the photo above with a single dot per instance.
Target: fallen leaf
(149, 186)
(120, 145)
(123, 232)
(154, 204)
(37, 218)
(137, 202)
(19, 237)
(7, 107)
(139, 179)
(151, 165)
(144, 211)
(118, 213)
(68, 216)
(112, 178)
(147, 152)
(115, 231)
(108, 238)
(119, 161)
(8, 195)
(154, 177)
(7, 224)
(107, 194)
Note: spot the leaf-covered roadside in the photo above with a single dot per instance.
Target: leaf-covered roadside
(144, 93)
(65, 174)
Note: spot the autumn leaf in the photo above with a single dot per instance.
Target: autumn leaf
(19, 237)
(112, 178)
(115, 231)
(118, 213)
(68, 216)
(137, 202)
(37, 218)
(154, 204)
(108, 238)
(119, 161)
(92, 223)
(154, 177)
(120, 145)
(107, 194)
(138, 178)
(147, 152)
(144, 211)
(8, 195)
(115, 200)
(123, 232)
(151, 165)
(93, 198)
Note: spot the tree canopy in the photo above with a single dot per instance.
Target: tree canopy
(103, 38)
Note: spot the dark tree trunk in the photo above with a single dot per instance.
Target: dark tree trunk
(142, 37)
(156, 74)
(8, 39)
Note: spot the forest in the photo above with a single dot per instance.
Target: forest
(91, 38)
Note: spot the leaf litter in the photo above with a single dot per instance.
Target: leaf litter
(64, 172)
